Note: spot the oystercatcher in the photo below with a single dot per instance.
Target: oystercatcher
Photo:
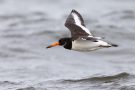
(81, 39)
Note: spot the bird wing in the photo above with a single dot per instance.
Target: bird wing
(75, 24)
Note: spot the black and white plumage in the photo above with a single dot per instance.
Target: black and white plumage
(81, 38)
(75, 24)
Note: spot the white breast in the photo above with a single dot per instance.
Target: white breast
(87, 45)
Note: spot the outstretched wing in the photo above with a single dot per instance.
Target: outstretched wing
(75, 24)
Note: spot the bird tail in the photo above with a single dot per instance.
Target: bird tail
(114, 45)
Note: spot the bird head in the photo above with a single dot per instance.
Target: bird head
(65, 42)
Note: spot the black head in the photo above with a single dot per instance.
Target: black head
(65, 42)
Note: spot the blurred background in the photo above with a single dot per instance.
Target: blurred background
(28, 26)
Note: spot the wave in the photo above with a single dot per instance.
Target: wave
(113, 81)
(119, 76)
(27, 88)
(7, 83)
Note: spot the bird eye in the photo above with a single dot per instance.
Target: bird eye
(61, 42)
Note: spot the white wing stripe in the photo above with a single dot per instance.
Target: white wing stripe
(78, 22)
(85, 29)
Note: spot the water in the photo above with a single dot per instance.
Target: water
(28, 26)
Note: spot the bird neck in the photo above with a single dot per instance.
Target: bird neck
(68, 44)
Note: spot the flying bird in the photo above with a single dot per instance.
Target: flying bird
(81, 39)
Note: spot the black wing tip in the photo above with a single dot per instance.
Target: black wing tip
(73, 10)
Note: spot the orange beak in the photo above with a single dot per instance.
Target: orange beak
(54, 44)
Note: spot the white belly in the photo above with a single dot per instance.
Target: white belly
(87, 45)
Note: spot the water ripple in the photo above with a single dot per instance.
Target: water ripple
(119, 76)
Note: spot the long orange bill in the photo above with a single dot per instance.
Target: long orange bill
(54, 44)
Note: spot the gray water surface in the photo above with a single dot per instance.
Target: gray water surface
(28, 26)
